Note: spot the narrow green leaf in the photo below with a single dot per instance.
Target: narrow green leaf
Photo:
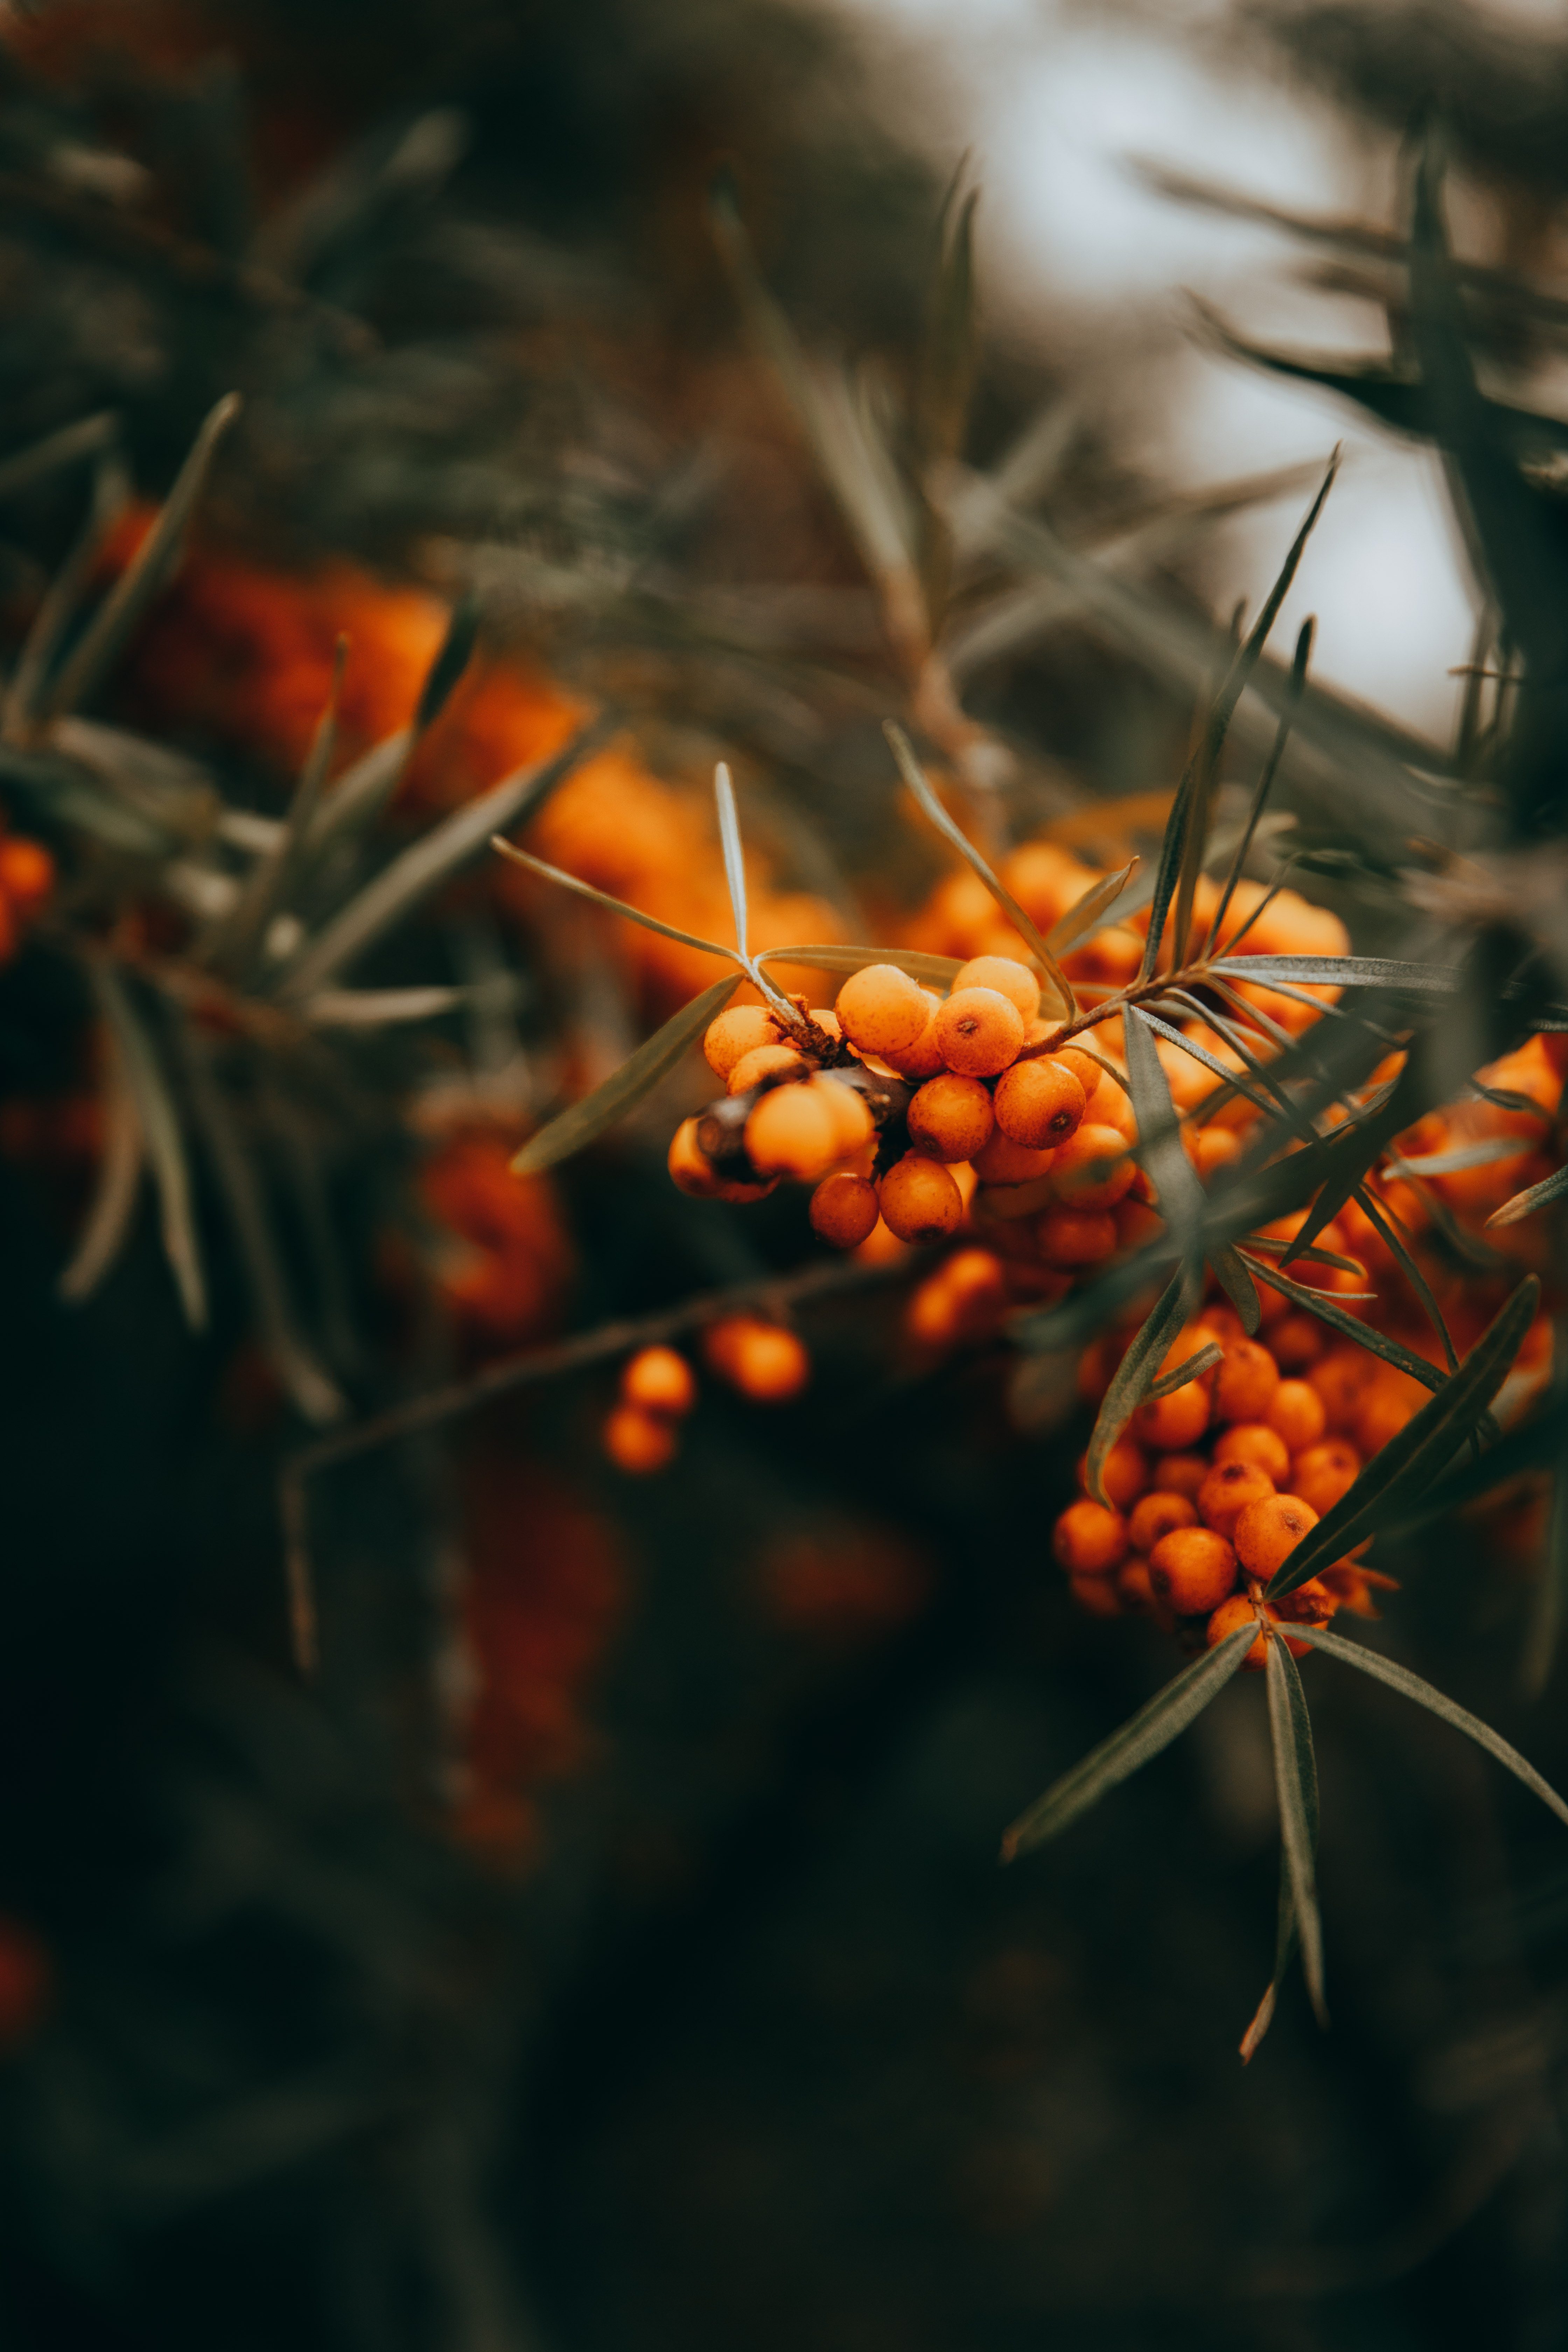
(1296, 1781)
(734, 859)
(1412, 1458)
(932, 971)
(1400, 1678)
(160, 1124)
(361, 794)
(57, 608)
(1524, 1204)
(146, 573)
(235, 942)
(1463, 1155)
(378, 1008)
(509, 849)
(586, 1121)
(452, 658)
(915, 777)
(1192, 1369)
(1350, 1327)
(1284, 1949)
(110, 1219)
(1159, 1146)
(946, 370)
(1141, 1737)
(83, 440)
(1266, 781)
(1343, 971)
(1375, 1213)
(1237, 1283)
(1083, 916)
(1271, 1245)
(1139, 1370)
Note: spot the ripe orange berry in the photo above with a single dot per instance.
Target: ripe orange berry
(741, 1029)
(1244, 1382)
(773, 1061)
(658, 1380)
(1100, 1596)
(1087, 1073)
(1180, 1474)
(950, 1117)
(1092, 1169)
(1002, 1162)
(1070, 1237)
(1341, 1379)
(1110, 1106)
(792, 1132)
(1322, 1472)
(1232, 1615)
(1230, 1490)
(28, 877)
(881, 1009)
(1312, 1603)
(1014, 981)
(1175, 1421)
(1123, 1474)
(1134, 1589)
(763, 1361)
(1255, 1442)
(979, 1031)
(842, 1209)
(1296, 1341)
(1192, 1568)
(853, 1125)
(1268, 1532)
(1385, 1412)
(1215, 1147)
(919, 1199)
(1296, 1414)
(638, 1442)
(1038, 1104)
(1090, 1540)
(961, 1300)
(1155, 1515)
(1136, 1224)
(923, 1058)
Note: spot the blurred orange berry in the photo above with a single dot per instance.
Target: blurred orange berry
(638, 1442)
(659, 1379)
(764, 1360)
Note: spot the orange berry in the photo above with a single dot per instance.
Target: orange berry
(763, 1062)
(1230, 1488)
(1341, 1379)
(1554, 1043)
(1192, 1568)
(1268, 1532)
(763, 1361)
(979, 1031)
(842, 1209)
(1090, 1540)
(1175, 1421)
(658, 1380)
(1002, 1162)
(1180, 1474)
(1255, 1442)
(1092, 1169)
(1296, 1341)
(1296, 1413)
(792, 1132)
(1155, 1515)
(1232, 1615)
(1038, 1104)
(638, 1442)
(1014, 981)
(1322, 1472)
(881, 1009)
(1221, 1322)
(1136, 1224)
(960, 1301)
(1312, 1603)
(853, 1125)
(27, 875)
(1100, 1596)
(1133, 1588)
(923, 1058)
(1110, 1106)
(1384, 1412)
(739, 1029)
(1123, 1474)
(1087, 1073)
(920, 1200)
(1244, 1382)
(950, 1117)
(1215, 1147)
(1070, 1237)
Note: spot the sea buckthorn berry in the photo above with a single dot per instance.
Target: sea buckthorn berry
(1342, 1378)
(960, 1301)
(950, 1117)
(920, 1200)
(1322, 1472)
(28, 877)
(774, 1060)
(1175, 1421)
(979, 1031)
(883, 1010)
(1002, 1162)
(1136, 1223)
(1296, 1341)
(1070, 1237)
(792, 1132)
(1091, 1170)
(1312, 1603)
(1268, 1532)
(658, 1380)
(1123, 1474)
(739, 1029)
(844, 1210)
(1180, 1474)
(923, 1058)
(1222, 1322)
(1232, 1615)
(1134, 1589)
(763, 1361)
(1100, 1595)
(1244, 1382)
(846, 1106)
(1214, 1148)
(1230, 1488)
(1090, 1540)
(1086, 1071)
(1192, 1568)
(1010, 979)
(638, 1442)
(1389, 1404)
(1110, 1106)
(1255, 1442)
(1296, 1414)
(1153, 1516)
(1038, 1104)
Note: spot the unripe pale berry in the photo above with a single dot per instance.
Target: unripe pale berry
(1192, 1568)
(738, 1030)
(950, 1117)
(844, 1210)
(1039, 1104)
(658, 1380)
(920, 1200)
(979, 1031)
(1014, 981)
(881, 1009)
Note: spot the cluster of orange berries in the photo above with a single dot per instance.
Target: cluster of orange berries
(765, 1362)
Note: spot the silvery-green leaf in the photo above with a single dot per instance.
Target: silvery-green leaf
(586, 1121)
(1083, 916)
(1524, 1204)
(160, 1124)
(1296, 1781)
(930, 971)
(108, 1219)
